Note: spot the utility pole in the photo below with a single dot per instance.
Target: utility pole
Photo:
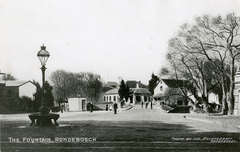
(107, 76)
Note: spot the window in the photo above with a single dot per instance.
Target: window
(161, 88)
(104, 98)
(114, 98)
(110, 98)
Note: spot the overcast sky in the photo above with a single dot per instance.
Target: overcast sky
(112, 38)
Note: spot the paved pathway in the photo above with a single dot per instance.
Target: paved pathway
(200, 122)
(140, 117)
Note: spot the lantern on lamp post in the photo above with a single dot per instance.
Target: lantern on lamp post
(43, 56)
(44, 118)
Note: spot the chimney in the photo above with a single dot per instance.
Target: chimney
(137, 85)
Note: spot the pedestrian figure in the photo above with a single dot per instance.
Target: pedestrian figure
(62, 109)
(91, 107)
(67, 107)
(115, 108)
(151, 104)
(142, 104)
(88, 106)
(146, 105)
(106, 107)
(122, 103)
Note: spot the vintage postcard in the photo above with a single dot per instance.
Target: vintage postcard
(119, 75)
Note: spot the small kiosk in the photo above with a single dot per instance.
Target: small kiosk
(77, 104)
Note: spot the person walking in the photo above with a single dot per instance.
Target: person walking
(62, 108)
(142, 104)
(151, 105)
(106, 107)
(88, 106)
(91, 107)
(115, 108)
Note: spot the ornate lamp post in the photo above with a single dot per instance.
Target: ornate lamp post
(44, 118)
(43, 56)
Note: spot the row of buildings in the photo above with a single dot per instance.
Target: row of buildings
(11, 91)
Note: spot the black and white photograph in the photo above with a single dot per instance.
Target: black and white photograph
(120, 75)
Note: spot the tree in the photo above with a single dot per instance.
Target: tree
(164, 71)
(37, 96)
(190, 67)
(8, 77)
(173, 95)
(25, 104)
(92, 87)
(67, 85)
(121, 90)
(152, 83)
(127, 93)
(124, 91)
(215, 40)
(48, 96)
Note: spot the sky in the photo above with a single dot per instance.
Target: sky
(115, 39)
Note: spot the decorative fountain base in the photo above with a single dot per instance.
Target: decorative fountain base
(43, 119)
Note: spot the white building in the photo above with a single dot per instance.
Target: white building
(237, 94)
(21, 88)
(111, 95)
(164, 84)
(77, 104)
(140, 95)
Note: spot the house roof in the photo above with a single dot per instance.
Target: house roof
(173, 83)
(141, 91)
(16, 83)
(112, 83)
(109, 86)
(106, 88)
(133, 84)
(112, 91)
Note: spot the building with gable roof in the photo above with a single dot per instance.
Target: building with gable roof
(12, 91)
(111, 92)
(113, 84)
(164, 84)
(111, 95)
(132, 84)
(138, 93)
